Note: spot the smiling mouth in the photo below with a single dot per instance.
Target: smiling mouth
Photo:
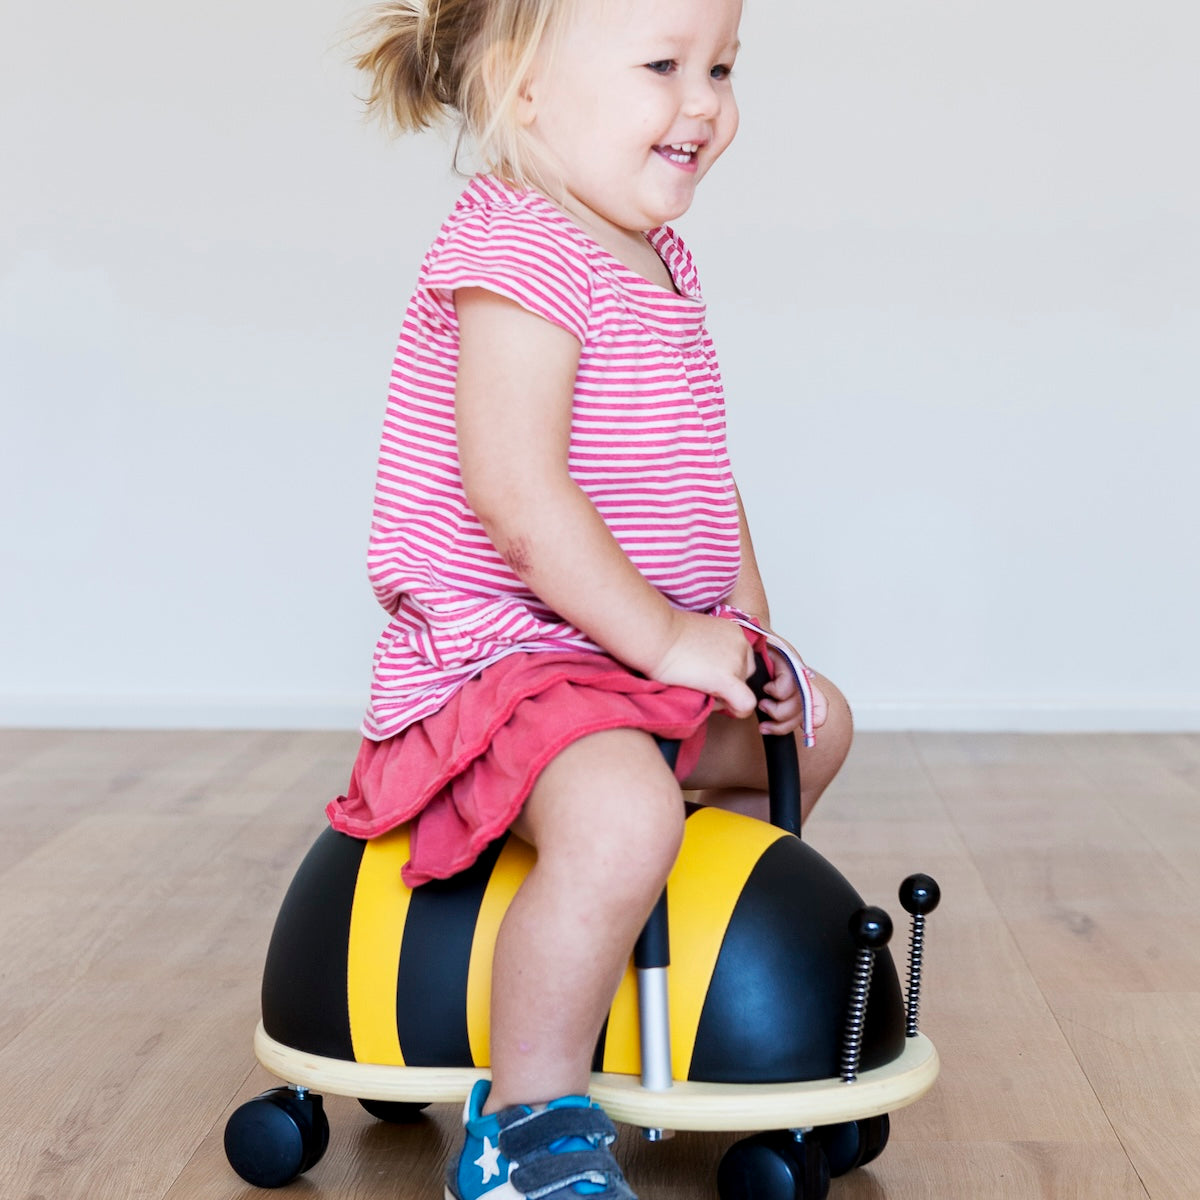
(681, 153)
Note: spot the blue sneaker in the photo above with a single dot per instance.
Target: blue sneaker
(556, 1153)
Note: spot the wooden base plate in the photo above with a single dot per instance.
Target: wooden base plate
(701, 1106)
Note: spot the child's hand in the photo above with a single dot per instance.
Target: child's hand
(711, 655)
(783, 702)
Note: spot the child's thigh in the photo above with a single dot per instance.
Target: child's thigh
(732, 756)
(609, 786)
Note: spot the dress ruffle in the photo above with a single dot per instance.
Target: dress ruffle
(460, 776)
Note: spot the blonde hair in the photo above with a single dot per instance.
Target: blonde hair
(429, 59)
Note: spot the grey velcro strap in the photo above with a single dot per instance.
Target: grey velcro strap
(549, 1173)
(538, 1131)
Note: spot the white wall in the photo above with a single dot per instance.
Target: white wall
(952, 262)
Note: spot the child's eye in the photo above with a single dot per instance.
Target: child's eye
(661, 66)
(721, 71)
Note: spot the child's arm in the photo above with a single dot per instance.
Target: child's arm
(783, 703)
(513, 402)
(749, 594)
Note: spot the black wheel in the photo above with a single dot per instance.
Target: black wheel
(877, 1138)
(853, 1144)
(774, 1166)
(277, 1136)
(395, 1112)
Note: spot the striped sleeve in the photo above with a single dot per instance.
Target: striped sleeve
(516, 256)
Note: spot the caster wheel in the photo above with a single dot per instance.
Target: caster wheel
(277, 1136)
(877, 1138)
(853, 1144)
(394, 1112)
(774, 1166)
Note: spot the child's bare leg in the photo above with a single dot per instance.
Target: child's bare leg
(732, 770)
(606, 816)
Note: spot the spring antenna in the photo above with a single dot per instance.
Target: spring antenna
(919, 895)
(871, 928)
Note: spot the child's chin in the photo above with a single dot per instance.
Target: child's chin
(673, 212)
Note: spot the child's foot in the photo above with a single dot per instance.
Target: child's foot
(558, 1152)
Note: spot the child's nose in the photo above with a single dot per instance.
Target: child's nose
(702, 99)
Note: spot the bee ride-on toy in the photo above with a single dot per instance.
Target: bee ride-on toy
(783, 1012)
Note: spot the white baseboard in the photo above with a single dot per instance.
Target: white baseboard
(1023, 716)
(976, 714)
(181, 712)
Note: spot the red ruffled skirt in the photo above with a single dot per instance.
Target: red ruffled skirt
(460, 776)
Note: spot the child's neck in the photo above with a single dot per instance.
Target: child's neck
(629, 247)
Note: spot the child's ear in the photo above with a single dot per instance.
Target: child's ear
(497, 71)
(525, 109)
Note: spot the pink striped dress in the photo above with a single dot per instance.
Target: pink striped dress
(647, 447)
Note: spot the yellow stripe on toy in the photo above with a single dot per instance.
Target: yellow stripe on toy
(373, 962)
(719, 852)
(706, 882)
(515, 862)
(622, 1053)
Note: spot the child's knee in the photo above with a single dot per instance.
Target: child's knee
(643, 828)
(607, 803)
(838, 729)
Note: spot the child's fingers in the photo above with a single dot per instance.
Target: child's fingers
(785, 716)
(784, 704)
(820, 707)
(741, 700)
(778, 730)
(783, 681)
(738, 701)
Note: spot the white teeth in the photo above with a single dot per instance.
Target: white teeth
(682, 151)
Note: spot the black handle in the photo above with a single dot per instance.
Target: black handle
(653, 947)
(783, 781)
(783, 762)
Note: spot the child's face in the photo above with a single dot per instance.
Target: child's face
(635, 105)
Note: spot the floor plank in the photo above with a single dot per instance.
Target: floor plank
(1142, 1055)
(125, 1050)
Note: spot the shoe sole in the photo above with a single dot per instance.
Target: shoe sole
(505, 1192)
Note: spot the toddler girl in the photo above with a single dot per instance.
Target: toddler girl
(557, 535)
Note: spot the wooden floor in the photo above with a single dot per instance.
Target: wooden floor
(140, 874)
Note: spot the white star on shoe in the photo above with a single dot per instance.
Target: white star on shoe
(489, 1161)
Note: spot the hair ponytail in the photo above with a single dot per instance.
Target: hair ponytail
(428, 58)
(411, 60)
